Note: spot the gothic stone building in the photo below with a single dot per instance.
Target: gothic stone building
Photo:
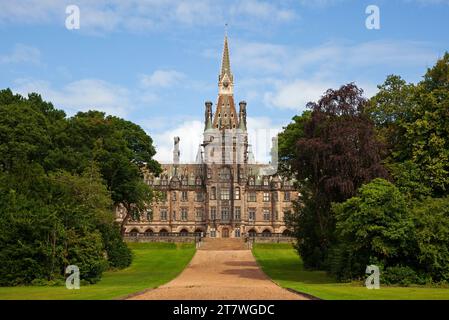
(224, 193)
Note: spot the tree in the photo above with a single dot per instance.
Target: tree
(122, 150)
(413, 120)
(431, 217)
(59, 180)
(287, 142)
(373, 227)
(338, 153)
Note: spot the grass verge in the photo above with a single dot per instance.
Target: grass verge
(282, 264)
(153, 265)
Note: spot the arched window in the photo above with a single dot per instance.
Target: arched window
(252, 233)
(251, 181)
(184, 233)
(134, 233)
(287, 233)
(149, 233)
(163, 233)
(266, 233)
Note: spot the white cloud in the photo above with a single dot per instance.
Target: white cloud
(262, 10)
(296, 94)
(81, 95)
(190, 133)
(22, 54)
(319, 3)
(261, 130)
(288, 77)
(102, 16)
(161, 78)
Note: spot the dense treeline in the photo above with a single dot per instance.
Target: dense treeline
(60, 178)
(374, 180)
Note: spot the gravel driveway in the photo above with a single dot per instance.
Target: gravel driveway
(220, 275)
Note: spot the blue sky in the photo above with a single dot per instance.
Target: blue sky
(155, 62)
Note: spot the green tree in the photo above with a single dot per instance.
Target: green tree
(414, 122)
(287, 140)
(431, 218)
(373, 227)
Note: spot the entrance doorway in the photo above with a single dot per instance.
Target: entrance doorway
(225, 233)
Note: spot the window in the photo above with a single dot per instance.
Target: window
(173, 196)
(224, 194)
(150, 215)
(174, 215)
(287, 196)
(237, 233)
(213, 213)
(251, 181)
(266, 182)
(184, 196)
(275, 196)
(225, 174)
(198, 181)
(184, 214)
(213, 233)
(266, 214)
(213, 193)
(237, 193)
(252, 196)
(199, 213)
(237, 213)
(225, 213)
(163, 213)
(199, 196)
(266, 196)
(252, 214)
(184, 181)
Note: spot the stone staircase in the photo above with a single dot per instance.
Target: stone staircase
(223, 244)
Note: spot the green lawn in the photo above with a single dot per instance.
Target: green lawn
(153, 264)
(282, 264)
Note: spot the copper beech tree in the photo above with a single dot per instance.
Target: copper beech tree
(336, 154)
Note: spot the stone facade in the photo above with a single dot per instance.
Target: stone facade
(225, 193)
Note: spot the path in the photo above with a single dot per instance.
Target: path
(221, 270)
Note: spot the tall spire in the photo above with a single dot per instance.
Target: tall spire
(225, 63)
(225, 79)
